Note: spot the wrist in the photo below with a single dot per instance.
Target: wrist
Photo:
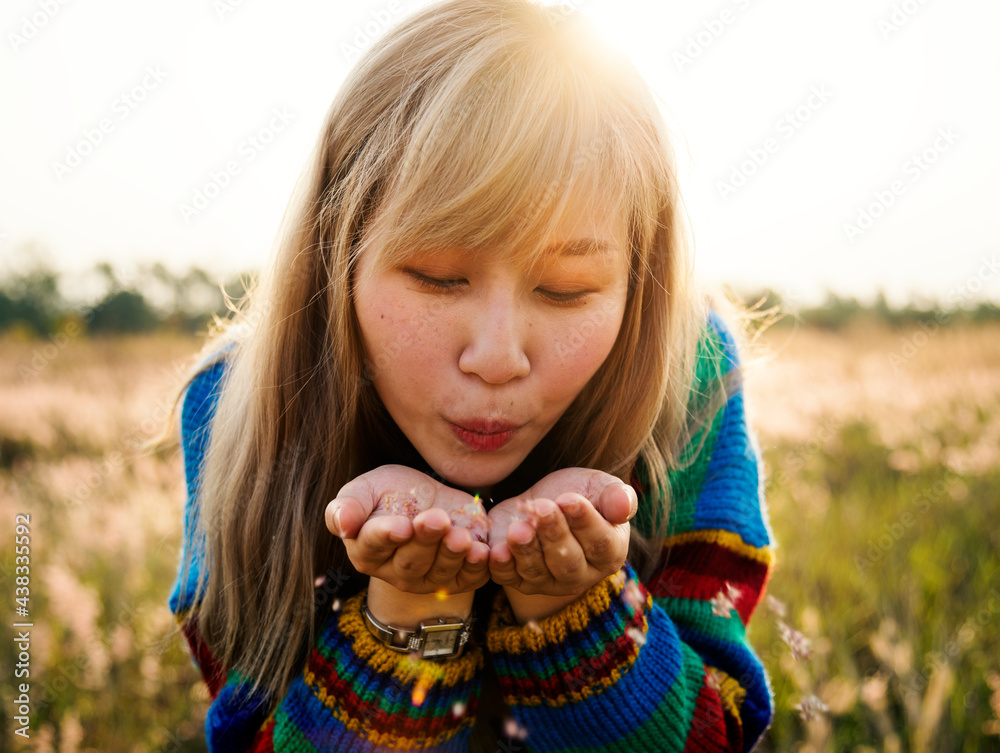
(407, 610)
(528, 607)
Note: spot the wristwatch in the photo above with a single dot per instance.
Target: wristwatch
(443, 638)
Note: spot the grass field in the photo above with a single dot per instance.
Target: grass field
(883, 455)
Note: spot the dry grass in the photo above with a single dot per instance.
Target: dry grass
(850, 436)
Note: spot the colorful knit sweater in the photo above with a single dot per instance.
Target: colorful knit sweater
(660, 665)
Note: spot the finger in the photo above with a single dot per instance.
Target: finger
(600, 541)
(450, 556)
(524, 545)
(563, 555)
(617, 502)
(379, 539)
(417, 556)
(345, 515)
(502, 568)
(476, 568)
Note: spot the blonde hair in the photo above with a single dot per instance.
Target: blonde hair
(472, 124)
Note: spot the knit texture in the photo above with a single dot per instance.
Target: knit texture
(660, 665)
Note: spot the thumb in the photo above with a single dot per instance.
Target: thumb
(345, 516)
(617, 502)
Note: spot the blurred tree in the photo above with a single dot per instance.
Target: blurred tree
(121, 311)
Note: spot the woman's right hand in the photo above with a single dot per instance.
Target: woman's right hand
(418, 535)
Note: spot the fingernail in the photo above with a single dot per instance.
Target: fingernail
(573, 510)
(336, 522)
(630, 492)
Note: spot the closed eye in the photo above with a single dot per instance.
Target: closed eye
(562, 299)
(434, 283)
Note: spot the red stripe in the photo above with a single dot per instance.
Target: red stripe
(691, 571)
(211, 670)
(377, 718)
(584, 674)
(263, 741)
(708, 726)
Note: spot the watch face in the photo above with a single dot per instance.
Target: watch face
(440, 642)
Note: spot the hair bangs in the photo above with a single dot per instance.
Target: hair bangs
(493, 163)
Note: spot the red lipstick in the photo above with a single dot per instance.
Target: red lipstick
(484, 435)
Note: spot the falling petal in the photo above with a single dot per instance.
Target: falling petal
(336, 605)
(633, 595)
(419, 694)
(638, 637)
(441, 593)
(533, 626)
(800, 646)
(319, 581)
(458, 709)
(811, 707)
(722, 605)
(512, 729)
(777, 607)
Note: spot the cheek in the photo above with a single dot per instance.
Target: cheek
(402, 343)
(581, 346)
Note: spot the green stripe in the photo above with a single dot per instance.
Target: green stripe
(685, 482)
(666, 730)
(287, 736)
(436, 705)
(699, 616)
(555, 665)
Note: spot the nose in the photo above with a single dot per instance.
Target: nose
(496, 342)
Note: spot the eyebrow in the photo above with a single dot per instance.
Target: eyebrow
(583, 247)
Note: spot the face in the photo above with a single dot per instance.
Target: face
(476, 358)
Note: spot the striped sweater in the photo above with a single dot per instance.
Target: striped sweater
(659, 665)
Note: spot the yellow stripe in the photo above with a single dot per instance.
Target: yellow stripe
(363, 729)
(503, 636)
(507, 636)
(407, 670)
(594, 688)
(420, 675)
(728, 539)
(731, 693)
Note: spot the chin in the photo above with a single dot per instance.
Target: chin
(472, 476)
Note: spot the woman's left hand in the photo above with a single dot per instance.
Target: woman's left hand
(563, 535)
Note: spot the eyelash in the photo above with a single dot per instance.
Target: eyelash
(559, 299)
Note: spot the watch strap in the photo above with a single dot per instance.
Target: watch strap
(408, 641)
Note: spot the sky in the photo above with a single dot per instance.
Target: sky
(848, 147)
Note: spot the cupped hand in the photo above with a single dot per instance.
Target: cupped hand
(563, 535)
(420, 536)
